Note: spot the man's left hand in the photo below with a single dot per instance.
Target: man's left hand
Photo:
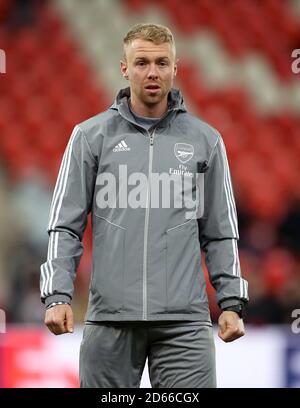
(231, 326)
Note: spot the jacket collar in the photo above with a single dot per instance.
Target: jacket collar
(175, 102)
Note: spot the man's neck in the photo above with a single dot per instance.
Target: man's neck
(152, 111)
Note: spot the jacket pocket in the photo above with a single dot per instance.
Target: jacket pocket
(108, 266)
(183, 265)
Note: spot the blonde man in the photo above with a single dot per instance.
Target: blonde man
(147, 294)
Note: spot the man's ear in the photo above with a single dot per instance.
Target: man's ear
(175, 66)
(124, 69)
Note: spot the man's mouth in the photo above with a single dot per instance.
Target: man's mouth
(153, 87)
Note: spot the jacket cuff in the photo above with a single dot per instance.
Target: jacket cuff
(231, 302)
(57, 298)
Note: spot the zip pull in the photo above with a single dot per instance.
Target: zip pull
(202, 166)
(151, 135)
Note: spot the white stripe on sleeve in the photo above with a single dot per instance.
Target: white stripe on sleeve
(61, 181)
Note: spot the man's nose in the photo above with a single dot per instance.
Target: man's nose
(152, 73)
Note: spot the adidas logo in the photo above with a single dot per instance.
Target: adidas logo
(121, 147)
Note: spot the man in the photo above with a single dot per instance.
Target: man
(147, 293)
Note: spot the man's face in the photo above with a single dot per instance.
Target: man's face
(150, 68)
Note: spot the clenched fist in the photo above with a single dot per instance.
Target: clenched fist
(59, 319)
(231, 326)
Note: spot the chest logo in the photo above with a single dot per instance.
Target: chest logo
(121, 147)
(184, 152)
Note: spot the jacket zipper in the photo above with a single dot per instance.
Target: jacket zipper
(151, 136)
(146, 228)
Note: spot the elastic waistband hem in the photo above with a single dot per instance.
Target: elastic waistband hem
(195, 317)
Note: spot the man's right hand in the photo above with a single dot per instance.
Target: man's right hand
(59, 319)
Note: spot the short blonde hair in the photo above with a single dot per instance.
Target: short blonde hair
(156, 33)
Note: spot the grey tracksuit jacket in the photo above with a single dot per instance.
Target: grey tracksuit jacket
(146, 255)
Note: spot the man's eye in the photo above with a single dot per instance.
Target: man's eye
(141, 63)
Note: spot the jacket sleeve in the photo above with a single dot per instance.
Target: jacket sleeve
(71, 204)
(218, 231)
